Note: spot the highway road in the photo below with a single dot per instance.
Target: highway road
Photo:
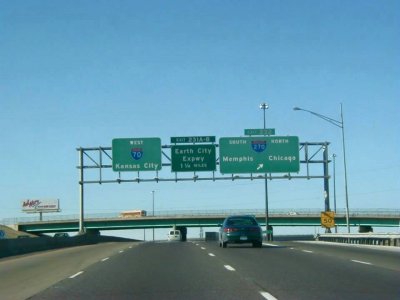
(202, 270)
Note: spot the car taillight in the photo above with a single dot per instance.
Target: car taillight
(230, 229)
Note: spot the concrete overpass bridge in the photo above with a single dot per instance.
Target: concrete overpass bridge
(207, 218)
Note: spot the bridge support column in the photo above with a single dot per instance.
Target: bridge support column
(363, 229)
(183, 231)
(270, 233)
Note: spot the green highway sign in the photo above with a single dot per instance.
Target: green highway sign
(192, 139)
(193, 158)
(136, 154)
(278, 154)
(266, 131)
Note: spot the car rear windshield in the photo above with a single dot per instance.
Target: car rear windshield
(241, 222)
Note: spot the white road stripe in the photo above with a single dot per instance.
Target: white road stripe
(308, 251)
(271, 245)
(104, 259)
(211, 254)
(121, 251)
(229, 268)
(268, 296)
(75, 275)
(202, 248)
(361, 262)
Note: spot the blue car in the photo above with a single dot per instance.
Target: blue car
(240, 230)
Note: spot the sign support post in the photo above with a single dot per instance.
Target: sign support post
(81, 192)
(326, 182)
(264, 106)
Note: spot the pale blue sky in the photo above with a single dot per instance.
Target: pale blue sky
(80, 73)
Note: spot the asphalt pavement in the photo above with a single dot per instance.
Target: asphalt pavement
(203, 270)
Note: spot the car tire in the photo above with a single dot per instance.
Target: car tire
(257, 244)
(224, 244)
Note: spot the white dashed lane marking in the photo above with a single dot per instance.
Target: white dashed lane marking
(229, 268)
(270, 245)
(361, 262)
(75, 275)
(307, 251)
(268, 296)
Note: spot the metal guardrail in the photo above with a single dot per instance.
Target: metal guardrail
(362, 239)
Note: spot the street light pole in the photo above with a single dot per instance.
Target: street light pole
(334, 186)
(339, 124)
(265, 106)
(345, 172)
(153, 212)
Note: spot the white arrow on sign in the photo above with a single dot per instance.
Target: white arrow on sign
(260, 166)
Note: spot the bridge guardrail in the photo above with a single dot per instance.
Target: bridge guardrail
(173, 213)
(362, 239)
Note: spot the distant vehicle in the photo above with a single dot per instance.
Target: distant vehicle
(61, 235)
(292, 213)
(133, 213)
(240, 230)
(174, 235)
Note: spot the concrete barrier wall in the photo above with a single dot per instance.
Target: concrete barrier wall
(9, 247)
(362, 239)
(211, 236)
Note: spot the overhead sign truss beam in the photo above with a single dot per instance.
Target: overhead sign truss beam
(132, 156)
(100, 158)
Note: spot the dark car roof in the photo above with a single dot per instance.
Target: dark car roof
(241, 217)
(240, 220)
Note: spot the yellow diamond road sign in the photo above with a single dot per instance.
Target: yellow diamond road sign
(328, 219)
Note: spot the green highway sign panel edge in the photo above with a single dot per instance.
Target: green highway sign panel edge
(266, 131)
(278, 154)
(136, 154)
(193, 158)
(192, 139)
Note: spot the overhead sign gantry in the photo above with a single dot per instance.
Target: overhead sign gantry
(258, 154)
